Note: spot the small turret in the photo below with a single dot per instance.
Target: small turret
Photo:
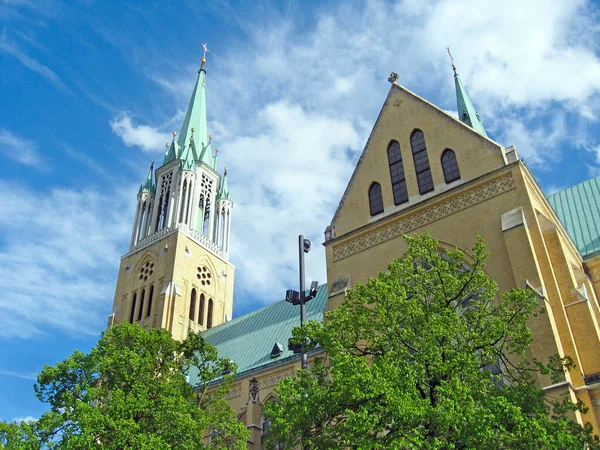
(466, 111)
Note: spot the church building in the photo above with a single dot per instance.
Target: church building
(421, 170)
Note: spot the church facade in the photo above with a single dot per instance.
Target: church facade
(421, 170)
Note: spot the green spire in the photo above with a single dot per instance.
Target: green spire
(195, 119)
(224, 189)
(466, 111)
(148, 186)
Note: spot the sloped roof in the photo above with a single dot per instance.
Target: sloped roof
(578, 208)
(248, 340)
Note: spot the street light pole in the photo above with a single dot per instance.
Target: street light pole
(301, 250)
(300, 298)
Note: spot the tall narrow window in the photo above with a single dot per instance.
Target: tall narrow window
(375, 199)
(141, 310)
(193, 305)
(150, 295)
(209, 319)
(132, 315)
(450, 166)
(183, 201)
(419, 151)
(201, 312)
(397, 173)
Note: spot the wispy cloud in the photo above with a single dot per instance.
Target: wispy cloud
(24, 376)
(87, 161)
(23, 151)
(54, 259)
(12, 48)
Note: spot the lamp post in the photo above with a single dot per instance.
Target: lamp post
(301, 297)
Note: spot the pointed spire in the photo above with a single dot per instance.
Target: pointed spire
(466, 111)
(195, 119)
(224, 189)
(148, 186)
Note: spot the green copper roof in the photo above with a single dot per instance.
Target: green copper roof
(466, 110)
(195, 118)
(578, 208)
(249, 340)
(148, 186)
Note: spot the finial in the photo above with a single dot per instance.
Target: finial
(451, 59)
(210, 137)
(193, 129)
(393, 77)
(203, 60)
(217, 150)
(167, 145)
(225, 171)
(174, 133)
(152, 165)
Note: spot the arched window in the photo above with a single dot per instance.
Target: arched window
(375, 199)
(141, 310)
(209, 318)
(150, 295)
(450, 166)
(132, 314)
(201, 312)
(419, 151)
(397, 173)
(193, 305)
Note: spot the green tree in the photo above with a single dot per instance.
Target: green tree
(131, 392)
(426, 356)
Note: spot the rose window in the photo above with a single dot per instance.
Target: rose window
(146, 271)
(204, 275)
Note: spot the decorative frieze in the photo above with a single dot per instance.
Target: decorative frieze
(274, 378)
(234, 391)
(424, 217)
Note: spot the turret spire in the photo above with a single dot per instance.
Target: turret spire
(224, 189)
(148, 185)
(466, 111)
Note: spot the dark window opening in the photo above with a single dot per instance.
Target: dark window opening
(150, 295)
(450, 166)
(193, 305)
(141, 310)
(419, 151)
(397, 173)
(209, 319)
(201, 312)
(375, 199)
(132, 314)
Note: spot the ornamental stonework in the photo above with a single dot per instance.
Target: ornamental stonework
(424, 217)
(275, 378)
(234, 391)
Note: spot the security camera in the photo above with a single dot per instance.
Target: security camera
(313, 289)
(306, 245)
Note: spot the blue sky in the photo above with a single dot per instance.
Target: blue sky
(91, 91)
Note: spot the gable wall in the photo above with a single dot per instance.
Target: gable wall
(403, 113)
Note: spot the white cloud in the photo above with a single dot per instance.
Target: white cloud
(27, 419)
(286, 181)
(57, 247)
(23, 151)
(146, 137)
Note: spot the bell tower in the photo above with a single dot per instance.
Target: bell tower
(176, 274)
